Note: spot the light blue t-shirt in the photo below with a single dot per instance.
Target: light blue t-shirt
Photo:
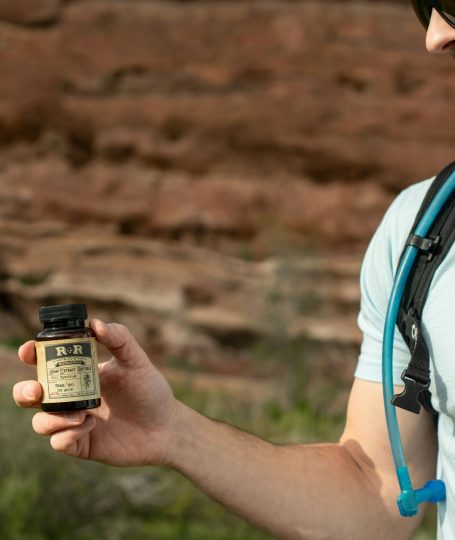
(438, 327)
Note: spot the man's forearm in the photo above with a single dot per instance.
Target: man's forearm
(299, 491)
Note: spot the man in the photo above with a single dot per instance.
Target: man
(337, 491)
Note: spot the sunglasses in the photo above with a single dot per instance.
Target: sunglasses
(445, 8)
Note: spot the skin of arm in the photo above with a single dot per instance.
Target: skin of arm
(323, 491)
(345, 490)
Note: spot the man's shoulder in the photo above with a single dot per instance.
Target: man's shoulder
(387, 244)
(410, 199)
(401, 214)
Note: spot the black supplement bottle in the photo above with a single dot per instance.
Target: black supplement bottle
(67, 360)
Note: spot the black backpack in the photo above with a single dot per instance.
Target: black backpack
(431, 252)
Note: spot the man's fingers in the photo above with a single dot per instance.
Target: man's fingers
(119, 341)
(67, 431)
(27, 393)
(47, 424)
(27, 352)
(69, 441)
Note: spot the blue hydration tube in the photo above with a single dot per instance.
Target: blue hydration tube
(433, 491)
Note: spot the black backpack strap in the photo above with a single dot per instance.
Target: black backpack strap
(432, 251)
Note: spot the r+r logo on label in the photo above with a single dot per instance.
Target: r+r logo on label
(65, 351)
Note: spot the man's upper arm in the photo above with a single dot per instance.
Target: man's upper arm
(366, 439)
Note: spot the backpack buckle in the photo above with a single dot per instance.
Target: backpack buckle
(412, 398)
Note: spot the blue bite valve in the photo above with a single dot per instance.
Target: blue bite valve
(408, 501)
(433, 491)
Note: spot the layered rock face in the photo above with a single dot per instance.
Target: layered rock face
(210, 173)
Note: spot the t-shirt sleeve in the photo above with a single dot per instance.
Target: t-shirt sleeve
(376, 281)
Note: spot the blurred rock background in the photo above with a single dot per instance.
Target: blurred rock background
(209, 173)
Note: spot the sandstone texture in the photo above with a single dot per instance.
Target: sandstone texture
(209, 173)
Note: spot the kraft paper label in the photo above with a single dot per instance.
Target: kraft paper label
(68, 370)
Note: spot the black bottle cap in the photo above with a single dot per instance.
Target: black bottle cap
(62, 312)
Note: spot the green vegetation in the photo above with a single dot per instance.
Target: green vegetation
(12, 343)
(46, 496)
(32, 280)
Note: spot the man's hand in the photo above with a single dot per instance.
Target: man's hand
(137, 416)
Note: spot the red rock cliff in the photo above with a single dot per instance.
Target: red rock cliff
(209, 173)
